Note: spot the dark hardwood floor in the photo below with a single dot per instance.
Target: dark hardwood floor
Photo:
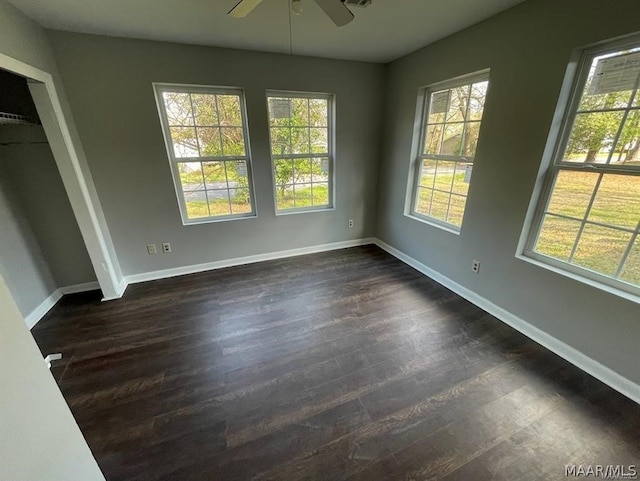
(333, 366)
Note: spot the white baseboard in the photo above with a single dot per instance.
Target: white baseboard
(87, 286)
(208, 266)
(122, 286)
(575, 357)
(45, 306)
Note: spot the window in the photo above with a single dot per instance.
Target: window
(206, 136)
(588, 218)
(447, 146)
(300, 128)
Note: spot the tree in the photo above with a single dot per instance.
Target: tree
(596, 127)
(299, 132)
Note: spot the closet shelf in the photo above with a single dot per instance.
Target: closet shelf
(8, 118)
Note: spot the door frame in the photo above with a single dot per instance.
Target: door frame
(76, 177)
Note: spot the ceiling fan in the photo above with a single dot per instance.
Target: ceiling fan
(336, 10)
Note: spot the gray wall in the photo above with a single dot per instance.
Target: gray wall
(22, 263)
(28, 169)
(527, 49)
(108, 82)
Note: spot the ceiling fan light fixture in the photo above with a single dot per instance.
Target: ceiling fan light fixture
(296, 7)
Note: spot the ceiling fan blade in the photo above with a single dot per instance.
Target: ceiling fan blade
(243, 8)
(336, 11)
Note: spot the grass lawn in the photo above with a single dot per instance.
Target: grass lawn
(198, 208)
(302, 196)
(440, 205)
(601, 249)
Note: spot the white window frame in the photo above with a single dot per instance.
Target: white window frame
(566, 110)
(417, 155)
(331, 117)
(159, 89)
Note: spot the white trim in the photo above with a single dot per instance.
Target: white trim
(65, 151)
(119, 292)
(159, 89)
(44, 307)
(575, 357)
(87, 286)
(39, 312)
(208, 266)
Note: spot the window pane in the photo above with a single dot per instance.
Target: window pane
(462, 178)
(196, 204)
(423, 201)
(178, 108)
(206, 124)
(299, 126)
(476, 103)
(219, 202)
(321, 194)
(427, 173)
(452, 130)
(458, 104)
(444, 175)
(301, 171)
(471, 133)
(439, 205)
(237, 173)
(557, 237)
(209, 138)
(318, 112)
(456, 209)
(229, 111)
(433, 138)
(320, 170)
(592, 136)
(617, 201)
(214, 175)
(601, 249)
(232, 141)
(602, 202)
(191, 176)
(631, 270)
(240, 203)
(283, 170)
(452, 139)
(303, 195)
(284, 197)
(319, 141)
(627, 150)
(280, 140)
(608, 100)
(572, 193)
(184, 142)
(280, 111)
(205, 109)
(301, 112)
(300, 140)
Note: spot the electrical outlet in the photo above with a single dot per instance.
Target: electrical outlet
(350, 223)
(475, 266)
(151, 249)
(166, 247)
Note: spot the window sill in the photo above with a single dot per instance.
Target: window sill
(528, 257)
(303, 210)
(213, 220)
(448, 228)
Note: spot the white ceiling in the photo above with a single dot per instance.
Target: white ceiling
(383, 31)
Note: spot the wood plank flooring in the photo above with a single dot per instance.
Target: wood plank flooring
(344, 365)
